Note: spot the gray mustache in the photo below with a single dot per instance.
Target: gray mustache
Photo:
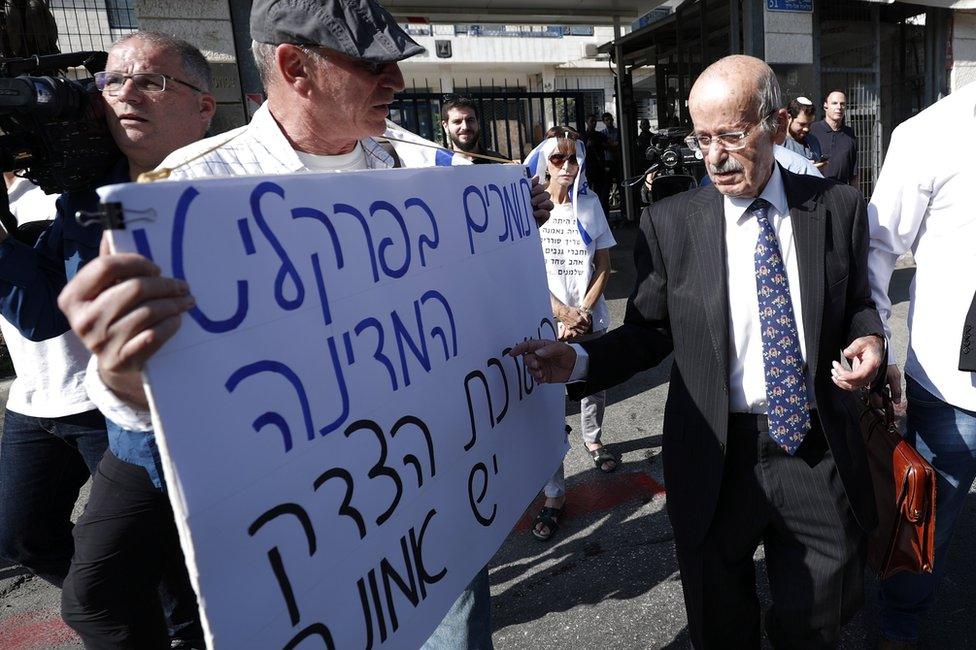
(730, 165)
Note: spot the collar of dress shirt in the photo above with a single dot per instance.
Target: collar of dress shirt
(774, 192)
(273, 138)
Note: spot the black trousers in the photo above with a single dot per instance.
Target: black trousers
(127, 552)
(814, 549)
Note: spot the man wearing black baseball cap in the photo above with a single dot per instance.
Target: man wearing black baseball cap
(330, 71)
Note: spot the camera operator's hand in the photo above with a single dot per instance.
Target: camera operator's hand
(649, 180)
(123, 311)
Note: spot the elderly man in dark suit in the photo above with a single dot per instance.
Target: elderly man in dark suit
(756, 284)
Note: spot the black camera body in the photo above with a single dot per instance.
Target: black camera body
(53, 127)
(672, 156)
(678, 167)
(54, 130)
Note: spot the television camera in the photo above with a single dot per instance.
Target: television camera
(53, 127)
(678, 167)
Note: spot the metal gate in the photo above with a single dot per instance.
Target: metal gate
(513, 122)
(851, 62)
(889, 59)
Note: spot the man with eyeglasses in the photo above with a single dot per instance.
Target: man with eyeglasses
(756, 284)
(330, 71)
(127, 568)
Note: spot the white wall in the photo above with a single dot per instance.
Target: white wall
(789, 37)
(205, 24)
(963, 49)
(503, 49)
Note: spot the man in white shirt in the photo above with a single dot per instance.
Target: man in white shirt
(329, 91)
(53, 437)
(755, 283)
(927, 208)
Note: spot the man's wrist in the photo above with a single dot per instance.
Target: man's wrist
(127, 386)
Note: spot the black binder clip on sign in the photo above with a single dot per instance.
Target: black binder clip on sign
(111, 216)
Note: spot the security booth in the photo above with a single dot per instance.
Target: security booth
(890, 58)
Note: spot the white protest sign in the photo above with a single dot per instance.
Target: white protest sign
(344, 439)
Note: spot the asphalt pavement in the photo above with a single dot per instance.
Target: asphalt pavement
(609, 578)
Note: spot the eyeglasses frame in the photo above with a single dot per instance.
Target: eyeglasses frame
(740, 136)
(126, 77)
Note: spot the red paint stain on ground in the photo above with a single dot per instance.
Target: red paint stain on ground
(599, 495)
(34, 631)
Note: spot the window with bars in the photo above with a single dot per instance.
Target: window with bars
(92, 24)
(121, 14)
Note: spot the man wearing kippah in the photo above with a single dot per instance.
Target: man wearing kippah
(798, 137)
(330, 72)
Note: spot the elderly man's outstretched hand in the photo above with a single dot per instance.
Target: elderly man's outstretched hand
(123, 311)
(548, 361)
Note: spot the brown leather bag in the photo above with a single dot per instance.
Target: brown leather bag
(904, 489)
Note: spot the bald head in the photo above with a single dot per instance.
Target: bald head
(743, 82)
(738, 97)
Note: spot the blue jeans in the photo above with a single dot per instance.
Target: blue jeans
(946, 437)
(44, 462)
(467, 625)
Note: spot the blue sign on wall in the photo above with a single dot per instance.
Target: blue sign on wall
(805, 6)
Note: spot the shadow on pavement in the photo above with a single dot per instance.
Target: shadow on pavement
(622, 557)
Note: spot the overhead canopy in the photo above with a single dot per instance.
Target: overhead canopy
(945, 4)
(580, 12)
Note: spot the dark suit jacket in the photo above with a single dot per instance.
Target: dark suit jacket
(681, 304)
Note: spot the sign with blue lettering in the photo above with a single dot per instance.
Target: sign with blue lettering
(796, 6)
(345, 440)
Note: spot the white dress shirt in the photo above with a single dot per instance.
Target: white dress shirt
(747, 373)
(51, 373)
(925, 201)
(794, 162)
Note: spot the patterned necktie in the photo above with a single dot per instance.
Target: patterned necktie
(786, 389)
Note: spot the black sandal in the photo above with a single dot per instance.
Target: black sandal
(548, 517)
(603, 455)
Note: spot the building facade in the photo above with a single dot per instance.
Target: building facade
(892, 59)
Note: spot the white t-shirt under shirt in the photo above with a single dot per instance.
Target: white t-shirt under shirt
(344, 162)
(50, 374)
(570, 262)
